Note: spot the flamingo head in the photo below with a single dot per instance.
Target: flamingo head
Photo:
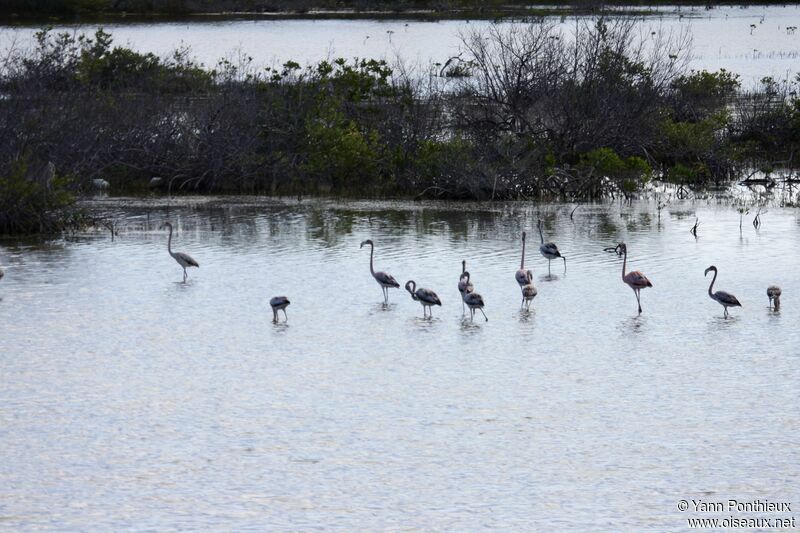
(167, 225)
(410, 286)
(623, 248)
(368, 241)
(710, 269)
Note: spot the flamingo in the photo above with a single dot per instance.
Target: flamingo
(426, 297)
(549, 250)
(521, 275)
(384, 279)
(184, 260)
(725, 299)
(464, 284)
(635, 279)
(773, 293)
(529, 292)
(279, 303)
(472, 299)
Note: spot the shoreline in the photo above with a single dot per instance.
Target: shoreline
(507, 12)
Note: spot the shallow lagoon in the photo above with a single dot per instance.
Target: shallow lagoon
(131, 400)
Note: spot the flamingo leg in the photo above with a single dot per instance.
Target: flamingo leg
(565, 263)
(548, 266)
(484, 314)
(274, 316)
(638, 300)
(184, 274)
(284, 314)
(523, 303)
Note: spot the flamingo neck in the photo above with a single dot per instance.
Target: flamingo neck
(541, 237)
(371, 252)
(522, 261)
(624, 263)
(412, 290)
(710, 293)
(169, 241)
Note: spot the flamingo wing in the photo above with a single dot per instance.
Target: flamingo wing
(529, 291)
(384, 278)
(474, 299)
(637, 279)
(428, 296)
(726, 298)
(186, 258)
(279, 301)
(522, 277)
(549, 248)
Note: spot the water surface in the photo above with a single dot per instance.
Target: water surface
(133, 401)
(723, 38)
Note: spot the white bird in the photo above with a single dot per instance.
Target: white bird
(279, 303)
(471, 298)
(549, 250)
(725, 299)
(529, 292)
(773, 293)
(464, 284)
(426, 297)
(384, 279)
(521, 275)
(184, 260)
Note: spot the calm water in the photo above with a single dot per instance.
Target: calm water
(131, 400)
(722, 36)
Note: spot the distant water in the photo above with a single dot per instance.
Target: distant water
(132, 401)
(723, 38)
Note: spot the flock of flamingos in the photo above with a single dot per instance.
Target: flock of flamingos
(472, 300)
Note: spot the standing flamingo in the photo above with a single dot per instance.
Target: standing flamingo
(464, 284)
(725, 299)
(384, 279)
(184, 260)
(529, 292)
(279, 303)
(635, 279)
(773, 293)
(472, 299)
(549, 250)
(426, 297)
(521, 275)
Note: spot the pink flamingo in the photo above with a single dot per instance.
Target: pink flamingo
(635, 279)
(725, 299)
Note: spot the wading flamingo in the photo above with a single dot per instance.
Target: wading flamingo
(521, 275)
(384, 279)
(184, 260)
(472, 299)
(725, 299)
(464, 284)
(549, 250)
(635, 279)
(773, 293)
(426, 297)
(279, 303)
(529, 292)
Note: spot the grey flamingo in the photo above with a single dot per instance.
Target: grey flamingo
(464, 284)
(471, 298)
(725, 299)
(184, 260)
(635, 279)
(426, 297)
(521, 275)
(549, 250)
(384, 279)
(773, 293)
(279, 303)
(529, 292)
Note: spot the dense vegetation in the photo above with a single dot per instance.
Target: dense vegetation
(523, 112)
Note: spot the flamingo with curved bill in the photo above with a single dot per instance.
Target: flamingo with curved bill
(549, 250)
(184, 260)
(426, 297)
(725, 299)
(634, 279)
(472, 299)
(384, 279)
